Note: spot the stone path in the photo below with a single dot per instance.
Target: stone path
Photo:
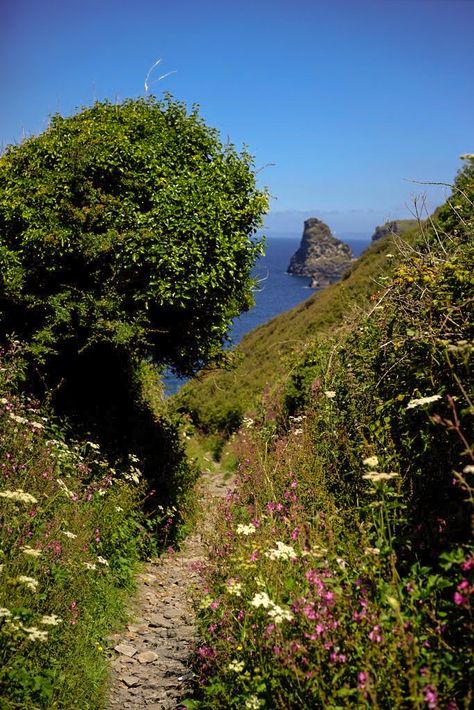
(151, 669)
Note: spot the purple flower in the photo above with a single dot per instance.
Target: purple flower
(431, 696)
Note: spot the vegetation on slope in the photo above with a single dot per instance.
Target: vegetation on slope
(218, 399)
(342, 568)
(126, 238)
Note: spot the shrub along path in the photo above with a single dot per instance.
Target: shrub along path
(151, 669)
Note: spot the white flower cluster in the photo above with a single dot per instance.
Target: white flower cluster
(423, 400)
(234, 588)
(69, 534)
(30, 582)
(245, 529)
(371, 461)
(277, 613)
(31, 551)
(253, 703)
(236, 666)
(281, 552)
(376, 476)
(330, 394)
(32, 632)
(19, 495)
(65, 489)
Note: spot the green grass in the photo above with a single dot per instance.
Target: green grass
(217, 400)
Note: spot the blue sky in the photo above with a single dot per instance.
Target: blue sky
(351, 100)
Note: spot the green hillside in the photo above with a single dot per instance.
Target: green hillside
(218, 399)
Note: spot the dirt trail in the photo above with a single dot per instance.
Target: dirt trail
(151, 668)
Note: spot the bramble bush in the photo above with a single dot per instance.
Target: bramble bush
(342, 569)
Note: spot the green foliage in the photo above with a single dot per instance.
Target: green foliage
(126, 225)
(341, 572)
(72, 532)
(218, 399)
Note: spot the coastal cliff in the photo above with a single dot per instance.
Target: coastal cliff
(320, 255)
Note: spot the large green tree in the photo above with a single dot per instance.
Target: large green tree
(129, 225)
(127, 234)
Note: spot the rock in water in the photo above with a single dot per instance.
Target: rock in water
(320, 255)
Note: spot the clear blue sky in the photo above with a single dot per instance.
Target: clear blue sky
(351, 99)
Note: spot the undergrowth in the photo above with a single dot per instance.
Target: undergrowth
(341, 571)
(72, 533)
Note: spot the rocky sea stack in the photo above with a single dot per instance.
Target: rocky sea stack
(320, 255)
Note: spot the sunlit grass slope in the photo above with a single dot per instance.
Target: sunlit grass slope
(217, 400)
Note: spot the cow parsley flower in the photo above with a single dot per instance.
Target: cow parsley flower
(31, 551)
(19, 496)
(30, 582)
(423, 400)
(281, 552)
(245, 529)
(261, 599)
(50, 620)
(236, 666)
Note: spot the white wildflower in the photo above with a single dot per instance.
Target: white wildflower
(371, 551)
(370, 461)
(50, 620)
(247, 422)
(118, 508)
(253, 703)
(245, 529)
(30, 582)
(102, 560)
(31, 551)
(35, 634)
(261, 599)
(89, 565)
(330, 394)
(37, 425)
(5, 613)
(278, 614)
(423, 400)
(236, 666)
(64, 488)
(376, 476)
(19, 495)
(68, 534)
(93, 445)
(3, 400)
(281, 552)
(16, 418)
(468, 469)
(234, 588)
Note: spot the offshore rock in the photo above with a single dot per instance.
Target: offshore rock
(320, 255)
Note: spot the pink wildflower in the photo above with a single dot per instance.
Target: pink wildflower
(467, 564)
(431, 696)
(374, 635)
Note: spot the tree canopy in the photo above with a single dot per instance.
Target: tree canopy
(129, 226)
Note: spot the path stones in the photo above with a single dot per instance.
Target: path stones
(151, 669)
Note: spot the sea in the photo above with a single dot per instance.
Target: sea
(275, 290)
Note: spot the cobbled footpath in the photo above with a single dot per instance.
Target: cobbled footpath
(151, 665)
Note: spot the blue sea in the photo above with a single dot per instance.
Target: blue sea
(276, 291)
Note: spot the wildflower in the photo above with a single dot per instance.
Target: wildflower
(423, 400)
(467, 564)
(5, 613)
(371, 551)
(245, 529)
(261, 599)
(17, 419)
(37, 425)
(371, 461)
(19, 495)
(30, 582)
(361, 680)
(374, 635)
(278, 614)
(102, 560)
(247, 422)
(65, 489)
(35, 634)
(234, 588)
(281, 552)
(253, 702)
(68, 534)
(31, 551)
(51, 620)
(236, 666)
(376, 476)
(330, 394)
(468, 469)
(431, 696)
(93, 445)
